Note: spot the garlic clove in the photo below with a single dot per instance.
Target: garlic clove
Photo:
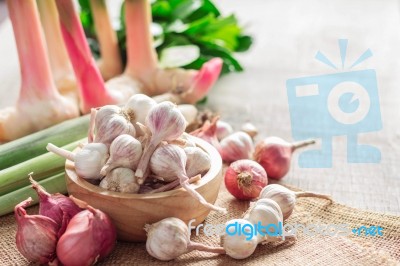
(198, 161)
(120, 180)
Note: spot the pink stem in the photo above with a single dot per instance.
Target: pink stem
(37, 81)
(91, 85)
(42, 193)
(59, 151)
(109, 49)
(142, 58)
(59, 60)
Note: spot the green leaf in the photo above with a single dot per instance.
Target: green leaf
(178, 56)
(185, 8)
(244, 43)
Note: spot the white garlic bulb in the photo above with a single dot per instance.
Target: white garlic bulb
(239, 246)
(160, 161)
(250, 129)
(169, 238)
(198, 161)
(189, 111)
(125, 151)
(88, 161)
(120, 180)
(236, 146)
(138, 106)
(266, 213)
(113, 126)
(285, 198)
(165, 122)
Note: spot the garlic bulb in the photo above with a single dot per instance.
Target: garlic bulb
(266, 213)
(239, 246)
(88, 161)
(160, 162)
(250, 129)
(165, 122)
(223, 129)
(236, 146)
(198, 161)
(170, 238)
(285, 198)
(120, 180)
(189, 111)
(125, 151)
(138, 106)
(115, 125)
(188, 140)
(168, 162)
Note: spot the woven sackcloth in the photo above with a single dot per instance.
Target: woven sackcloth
(306, 250)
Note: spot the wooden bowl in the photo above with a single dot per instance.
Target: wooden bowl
(130, 212)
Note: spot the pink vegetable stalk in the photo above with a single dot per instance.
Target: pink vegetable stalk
(63, 73)
(92, 90)
(178, 85)
(110, 64)
(39, 104)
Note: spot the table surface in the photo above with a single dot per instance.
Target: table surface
(287, 35)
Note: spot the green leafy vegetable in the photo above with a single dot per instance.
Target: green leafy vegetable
(180, 23)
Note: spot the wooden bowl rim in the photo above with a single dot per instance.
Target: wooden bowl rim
(213, 172)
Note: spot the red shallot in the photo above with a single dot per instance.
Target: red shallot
(36, 237)
(274, 154)
(58, 207)
(90, 236)
(244, 179)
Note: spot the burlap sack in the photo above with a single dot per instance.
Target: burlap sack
(306, 250)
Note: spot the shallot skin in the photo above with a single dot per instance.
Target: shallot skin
(244, 179)
(275, 158)
(36, 237)
(90, 236)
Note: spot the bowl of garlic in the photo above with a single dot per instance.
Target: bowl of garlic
(139, 167)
